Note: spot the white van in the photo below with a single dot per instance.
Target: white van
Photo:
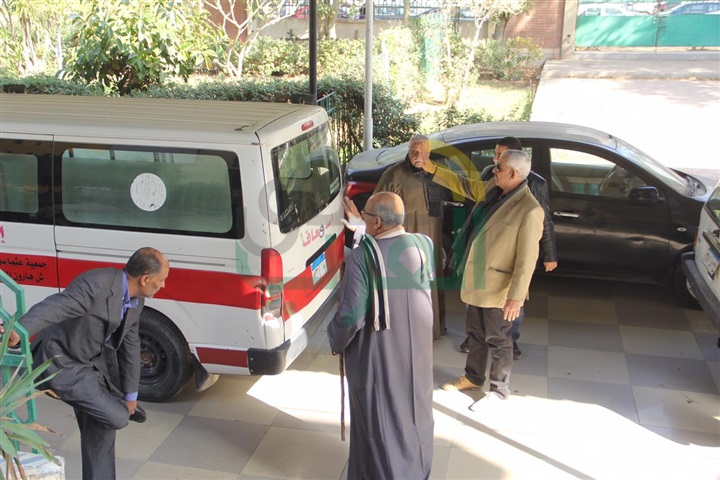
(702, 265)
(243, 198)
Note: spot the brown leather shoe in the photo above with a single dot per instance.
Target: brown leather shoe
(460, 384)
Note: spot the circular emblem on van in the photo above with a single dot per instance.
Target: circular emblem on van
(148, 192)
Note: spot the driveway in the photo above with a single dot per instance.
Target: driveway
(666, 103)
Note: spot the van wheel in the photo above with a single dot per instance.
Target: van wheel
(682, 287)
(165, 358)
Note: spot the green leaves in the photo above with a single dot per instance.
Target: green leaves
(18, 388)
(128, 45)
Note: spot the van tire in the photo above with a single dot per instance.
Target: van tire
(166, 361)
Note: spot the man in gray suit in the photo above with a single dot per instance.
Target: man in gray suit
(91, 330)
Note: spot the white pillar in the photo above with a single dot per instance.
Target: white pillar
(368, 120)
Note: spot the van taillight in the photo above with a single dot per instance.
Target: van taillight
(271, 269)
(307, 125)
(356, 188)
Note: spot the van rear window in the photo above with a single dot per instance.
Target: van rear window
(307, 177)
(170, 190)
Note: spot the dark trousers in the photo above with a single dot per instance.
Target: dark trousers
(489, 336)
(438, 300)
(516, 325)
(99, 416)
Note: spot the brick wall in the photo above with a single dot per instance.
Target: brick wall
(237, 8)
(544, 24)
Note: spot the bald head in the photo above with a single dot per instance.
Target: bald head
(388, 206)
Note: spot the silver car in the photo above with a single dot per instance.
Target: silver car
(618, 213)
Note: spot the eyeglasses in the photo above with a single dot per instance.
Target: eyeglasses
(363, 213)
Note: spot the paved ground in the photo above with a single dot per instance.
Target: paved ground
(667, 104)
(616, 381)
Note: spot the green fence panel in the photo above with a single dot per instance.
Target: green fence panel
(615, 31)
(689, 31)
(648, 31)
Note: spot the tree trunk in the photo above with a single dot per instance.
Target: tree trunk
(406, 12)
(28, 47)
(499, 34)
(471, 59)
(331, 32)
(58, 50)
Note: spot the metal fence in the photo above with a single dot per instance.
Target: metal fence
(347, 130)
(388, 10)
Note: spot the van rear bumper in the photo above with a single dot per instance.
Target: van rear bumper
(275, 361)
(705, 296)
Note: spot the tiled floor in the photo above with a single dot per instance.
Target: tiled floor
(616, 382)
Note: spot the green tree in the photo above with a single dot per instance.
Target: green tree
(31, 34)
(131, 44)
(483, 11)
(242, 22)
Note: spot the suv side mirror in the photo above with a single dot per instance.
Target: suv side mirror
(644, 194)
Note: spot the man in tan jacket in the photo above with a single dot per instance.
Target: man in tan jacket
(502, 248)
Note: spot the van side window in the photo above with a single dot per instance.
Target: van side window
(18, 183)
(155, 189)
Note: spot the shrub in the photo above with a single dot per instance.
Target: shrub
(517, 59)
(397, 63)
(277, 57)
(49, 84)
(453, 116)
(344, 56)
(392, 124)
(127, 45)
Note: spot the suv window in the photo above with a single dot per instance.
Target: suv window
(483, 157)
(713, 205)
(583, 173)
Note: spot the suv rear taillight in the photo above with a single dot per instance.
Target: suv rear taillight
(271, 269)
(356, 188)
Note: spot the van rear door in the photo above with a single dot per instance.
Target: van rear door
(305, 230)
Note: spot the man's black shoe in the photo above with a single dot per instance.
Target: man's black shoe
(465, 346)
(517, 353)
(139, 415)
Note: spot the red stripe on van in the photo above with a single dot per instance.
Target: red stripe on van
(223, 356)
(30, 270)
(299, 291)
(198, 286)
(184, 285)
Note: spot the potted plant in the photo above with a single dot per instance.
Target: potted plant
(18, 387)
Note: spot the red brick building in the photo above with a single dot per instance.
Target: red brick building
(550, 23)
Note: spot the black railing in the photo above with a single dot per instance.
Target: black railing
(346, 129)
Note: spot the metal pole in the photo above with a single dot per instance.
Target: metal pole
(368, 121)
(313, 33)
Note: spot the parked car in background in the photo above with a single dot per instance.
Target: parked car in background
(664, 6)
(694, 8)
(701, 265)
(618, 213)
(594, 9)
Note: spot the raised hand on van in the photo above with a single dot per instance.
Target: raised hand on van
(354, 219)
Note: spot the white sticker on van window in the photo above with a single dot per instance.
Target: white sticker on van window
(148, 192)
